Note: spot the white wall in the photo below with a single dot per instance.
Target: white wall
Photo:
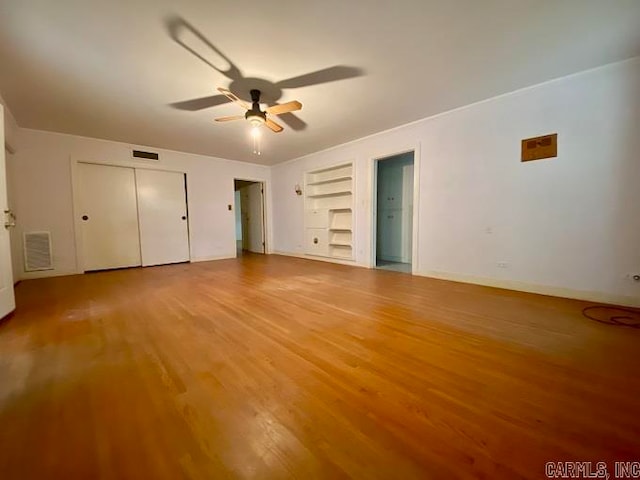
(43, 197)
(568, 226)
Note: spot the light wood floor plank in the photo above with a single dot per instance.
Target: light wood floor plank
(274, 367)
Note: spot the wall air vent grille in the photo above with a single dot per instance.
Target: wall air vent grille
(146, 155)
(37, 251)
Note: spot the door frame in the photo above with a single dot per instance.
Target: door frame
(373, 211)
(75, 180)
(8, 294)
(263, 183)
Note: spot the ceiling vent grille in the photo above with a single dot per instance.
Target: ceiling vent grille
(146, 155)
(37, 251)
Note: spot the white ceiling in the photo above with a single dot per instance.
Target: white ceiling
(110, 69)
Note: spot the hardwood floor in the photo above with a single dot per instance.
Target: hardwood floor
(272, 367)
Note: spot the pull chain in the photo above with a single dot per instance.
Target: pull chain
(255, 133)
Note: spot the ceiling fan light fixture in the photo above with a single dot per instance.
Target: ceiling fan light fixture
(255, 135)
(255, 118)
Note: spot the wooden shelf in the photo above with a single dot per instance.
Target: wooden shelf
(333, 194)
(331, 229)
(339, 209)
(328, 169)
(339, 244)
(330, 180)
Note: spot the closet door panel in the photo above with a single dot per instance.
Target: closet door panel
(108, 217)
(162, 208)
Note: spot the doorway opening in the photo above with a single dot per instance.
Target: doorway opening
(394, 212)
(249, 215)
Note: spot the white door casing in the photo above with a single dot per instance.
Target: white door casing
(162, 213)
(109, 217)
(7, 300)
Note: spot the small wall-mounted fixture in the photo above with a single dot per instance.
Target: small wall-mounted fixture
(539, 147)
(298, 190)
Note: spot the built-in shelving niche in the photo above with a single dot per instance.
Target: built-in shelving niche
(329, 212)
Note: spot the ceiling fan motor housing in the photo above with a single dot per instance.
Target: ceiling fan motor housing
(255, 115)
(255, 95)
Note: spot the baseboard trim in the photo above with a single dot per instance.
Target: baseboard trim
(212, 258)
(598, 297)
(287, 254)
(47, 274)
(8, 316)
(351, 263)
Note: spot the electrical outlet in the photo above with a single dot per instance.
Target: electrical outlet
(503, 265)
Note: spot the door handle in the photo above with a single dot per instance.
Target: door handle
(85, 217)
(184, 217)
(10, 219)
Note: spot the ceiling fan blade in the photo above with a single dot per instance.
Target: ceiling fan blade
(231, 96)
(229, 119)
(331, 74)
(284, 108)
(200, 103)
(273, 125)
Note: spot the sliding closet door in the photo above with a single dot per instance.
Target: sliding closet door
(162, 208)
(109, 217)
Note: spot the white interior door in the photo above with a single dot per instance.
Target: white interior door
(7, 301)
(256, 217)
(109, 217)
(162, 208)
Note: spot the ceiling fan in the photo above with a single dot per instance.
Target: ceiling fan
(254, 115)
